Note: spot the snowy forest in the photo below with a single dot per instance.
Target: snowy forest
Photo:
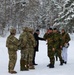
(36, 14)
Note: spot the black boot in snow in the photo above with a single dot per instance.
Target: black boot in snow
(51, 66)
(61, 63)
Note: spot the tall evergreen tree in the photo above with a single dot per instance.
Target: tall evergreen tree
(66, 17)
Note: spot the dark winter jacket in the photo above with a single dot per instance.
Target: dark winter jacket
(37, 38)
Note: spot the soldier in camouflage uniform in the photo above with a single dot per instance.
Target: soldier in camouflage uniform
(27, 44)
(65, 43)
(12, 45)
(32, 44)
(23, 43)
(46, 34)
(57, 44)
(51, 51)
(45, 37)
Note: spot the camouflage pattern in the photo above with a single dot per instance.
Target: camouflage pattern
(12, 45)
(57, 40)
(57, 44)
(50, 44)
(45, 36)
(12, 30)
(12, 60)
(65, 37)
(23, 43)
(65, 40)
(32, 44)
(23, 46)
(26, 43)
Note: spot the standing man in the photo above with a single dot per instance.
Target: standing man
(24, 47)
(12, 45)
(37, 38)
(65, 43)
(46, 34)
(57, 44)
(50, 44)
(32, 44)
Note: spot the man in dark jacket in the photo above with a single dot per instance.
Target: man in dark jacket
(37, 38)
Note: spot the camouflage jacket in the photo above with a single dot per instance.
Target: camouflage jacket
(31, 39)
(50, 40)
(23, 40)
(65, 38)
(26, 39)
(12, 43)
(45, 36)
(57, 40)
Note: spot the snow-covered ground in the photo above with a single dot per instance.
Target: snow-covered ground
(41, 59)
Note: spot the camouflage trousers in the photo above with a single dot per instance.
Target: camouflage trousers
(51, 56)
(27, 54)
(24, 54)
(58, 52)
(31, 53)
(12, 59)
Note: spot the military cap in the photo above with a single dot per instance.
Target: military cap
(50, 29)
(37, 30)
(55, 29)
(31, 30)
(25, 28)
(12, 30)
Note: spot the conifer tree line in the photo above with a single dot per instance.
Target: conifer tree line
(66, 17)
(36, 14)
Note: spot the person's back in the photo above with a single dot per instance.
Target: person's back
(32, 44)
(23, 40)
(23, 45)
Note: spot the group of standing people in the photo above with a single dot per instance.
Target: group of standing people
(57, 44)
(28, 43)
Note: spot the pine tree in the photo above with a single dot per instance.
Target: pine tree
(66, 17)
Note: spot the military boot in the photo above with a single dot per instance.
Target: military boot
(12, 72)
(61, 63)
(23, 65)
(26, 66)
(65, 62)
(51, 66)
(48, 65)
(31, 66)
